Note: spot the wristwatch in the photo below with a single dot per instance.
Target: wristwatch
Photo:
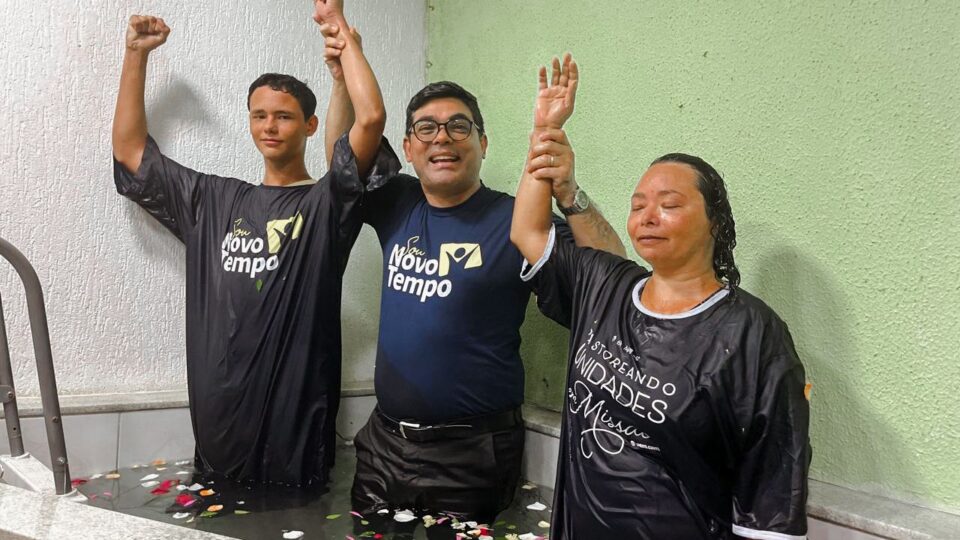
(580, 204)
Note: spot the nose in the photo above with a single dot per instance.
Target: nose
(270, 124)
(442, 130)
(649, 217)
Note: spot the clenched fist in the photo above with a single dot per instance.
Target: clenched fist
(146, 33)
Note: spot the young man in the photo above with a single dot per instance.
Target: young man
(447, 434)
(264, 263)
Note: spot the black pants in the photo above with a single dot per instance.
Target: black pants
(472, 476)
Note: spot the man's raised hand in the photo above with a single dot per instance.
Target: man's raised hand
(145, 33)
(555, 99)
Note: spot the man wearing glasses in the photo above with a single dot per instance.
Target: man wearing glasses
(447, 435)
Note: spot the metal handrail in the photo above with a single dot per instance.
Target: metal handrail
(48, 382)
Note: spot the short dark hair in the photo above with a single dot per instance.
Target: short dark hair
(444, 89)
(723, 228)
(290, 85)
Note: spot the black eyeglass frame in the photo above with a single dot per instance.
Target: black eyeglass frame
(470, 123)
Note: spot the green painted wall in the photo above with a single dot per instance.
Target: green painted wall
(837, 128)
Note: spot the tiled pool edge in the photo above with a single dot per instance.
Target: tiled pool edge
(873, 516)
(28, 515)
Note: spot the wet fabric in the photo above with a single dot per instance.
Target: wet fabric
(474, 477)
(452, 304)
(686, 426)
(264, 269)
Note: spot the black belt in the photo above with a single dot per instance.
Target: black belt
(453, 429)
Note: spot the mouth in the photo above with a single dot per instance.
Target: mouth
(444, 159)
(271, 142)
(647, 240)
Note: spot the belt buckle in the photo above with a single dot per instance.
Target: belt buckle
(407, 424)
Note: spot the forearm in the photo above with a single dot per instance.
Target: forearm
(530, 228)
(591, 229)
(130, 117)
(361, 83)
(340, 116)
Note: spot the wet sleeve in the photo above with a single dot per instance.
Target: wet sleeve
(168, 191)
(346, 183)
(348, 188)
(563, 272)
(770, 490)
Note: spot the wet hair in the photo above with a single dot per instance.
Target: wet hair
(444, 89)
(291, 85)
(723, 229)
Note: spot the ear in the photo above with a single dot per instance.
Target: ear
(483, 146)
(406, 149)
(312, 124)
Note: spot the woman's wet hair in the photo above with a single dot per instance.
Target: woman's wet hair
(723, 230)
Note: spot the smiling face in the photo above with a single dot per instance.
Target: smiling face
(668, 222)
(446, 167)
(278, 126)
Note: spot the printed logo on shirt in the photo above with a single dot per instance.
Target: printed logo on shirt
(410, 271)
(615, 398)
(243, 252)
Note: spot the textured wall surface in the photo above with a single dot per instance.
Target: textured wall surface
(837, 128)
(113, 277)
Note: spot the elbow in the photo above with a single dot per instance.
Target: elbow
(373, 120)
(514, 237)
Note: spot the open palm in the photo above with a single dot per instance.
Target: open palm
(555, 100)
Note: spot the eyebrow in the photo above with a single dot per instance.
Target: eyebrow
(661, 192)
(452, 117)
(264, 111)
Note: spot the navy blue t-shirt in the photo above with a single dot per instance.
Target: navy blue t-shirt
(452, 304)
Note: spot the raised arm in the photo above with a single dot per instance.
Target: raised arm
(554, 105)
(144, 33)
(369, 113)
(530, 228)
(339, 110)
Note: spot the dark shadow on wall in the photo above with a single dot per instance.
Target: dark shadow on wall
(852, 445)
(544, 352)
(179, 108)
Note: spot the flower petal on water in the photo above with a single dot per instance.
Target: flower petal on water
(292, 535)
(207, 492)
(181, 515)
(537, 506)
(404, 516)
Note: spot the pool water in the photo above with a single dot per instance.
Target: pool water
(242, 510)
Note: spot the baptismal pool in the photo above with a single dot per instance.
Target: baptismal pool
(172, 493)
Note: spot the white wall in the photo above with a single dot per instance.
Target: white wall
(113, 278)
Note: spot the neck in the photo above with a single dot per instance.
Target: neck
(678, 290)
(446, 200)
(281, 173)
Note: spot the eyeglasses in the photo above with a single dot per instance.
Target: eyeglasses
(458, 129)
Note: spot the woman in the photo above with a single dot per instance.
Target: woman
(685, 412)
